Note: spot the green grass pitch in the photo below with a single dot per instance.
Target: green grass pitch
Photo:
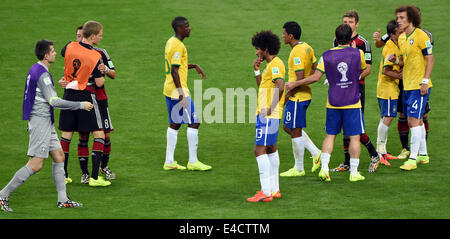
(135, 34)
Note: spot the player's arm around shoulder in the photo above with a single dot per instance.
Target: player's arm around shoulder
(306, 81)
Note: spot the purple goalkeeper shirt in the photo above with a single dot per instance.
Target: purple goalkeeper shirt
(30, 90)
(342, 68)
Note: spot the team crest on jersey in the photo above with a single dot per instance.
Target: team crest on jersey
(297, 61)
(275, 70)
(411, 41)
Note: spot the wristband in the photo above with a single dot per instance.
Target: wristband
(425, 81)
(257, 73)
(397, 61)
(106, 69)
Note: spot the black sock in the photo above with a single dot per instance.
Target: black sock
(97, 155)
(96, 159)
(84, 164)
(346, 143)
(403, 132)
(106, 151)
(66, 160)
(369, 146)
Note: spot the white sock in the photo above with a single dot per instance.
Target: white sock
(416, 136)
(382, 137)
(298, 148)
(423, 141)
(325, 159)
(309, 145)
(264, 173)
(354, 163)
(192, 136)
(172, 136)
(274, 160)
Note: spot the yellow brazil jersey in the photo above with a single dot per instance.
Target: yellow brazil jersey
(321, 68)
(175, 54)
(413, 48)
(274, 70)
(301, 58)
(387, 87)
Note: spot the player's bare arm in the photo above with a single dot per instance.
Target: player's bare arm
(428, 70)
(396, 60)
(306, 81)
(387, 70)
(313, 68)
(198, 69)
(256, 65)
(176, 81)
(279, 88)
(366, 71)
(100, 81)
(299, 75)
(107, 71)
(63, 83)
(376, 38)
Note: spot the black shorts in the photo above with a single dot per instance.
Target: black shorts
(80, 120)
(106, 118)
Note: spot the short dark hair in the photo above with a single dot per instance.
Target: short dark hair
(412, 12)
(343, 34)
(391, 26)
(80, 27)
(178, 21)
(352, 14)
(42, 47)
(294, 29)
(266, 40)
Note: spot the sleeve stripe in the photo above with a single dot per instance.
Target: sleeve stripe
(366, 43)
(273, 80)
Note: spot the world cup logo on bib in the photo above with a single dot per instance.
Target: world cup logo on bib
(342, 68)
